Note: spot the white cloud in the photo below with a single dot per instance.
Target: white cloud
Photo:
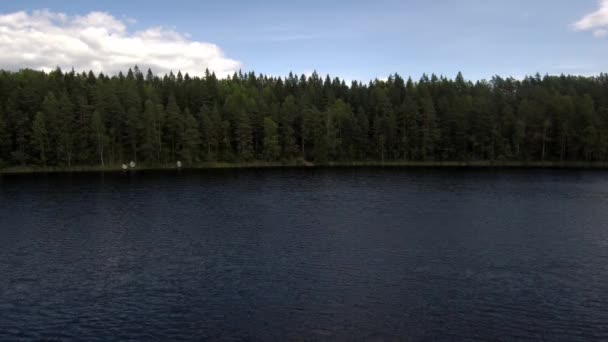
(600, 33)
(597, 21)
(100, 42)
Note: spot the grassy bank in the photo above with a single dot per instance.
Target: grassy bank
(479, 164)
(118, 168)
(303, 164)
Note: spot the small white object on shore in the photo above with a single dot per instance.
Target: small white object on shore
(124, 166)
(179, 164)
(132, 164)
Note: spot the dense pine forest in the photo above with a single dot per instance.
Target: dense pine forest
(66, 119)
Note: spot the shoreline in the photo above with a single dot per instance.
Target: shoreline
(301, 164)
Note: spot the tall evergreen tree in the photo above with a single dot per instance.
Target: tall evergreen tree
(40, 138)
(243, 136)
(67, 119)
(191, 140)
(175, 125)
(101, 138)
(272, 150)
(65, 143)
(5, 139)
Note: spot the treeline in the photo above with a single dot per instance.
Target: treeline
(68, 119)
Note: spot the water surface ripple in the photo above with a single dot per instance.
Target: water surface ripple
(337, 254)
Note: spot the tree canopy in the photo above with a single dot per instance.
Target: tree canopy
(68, 118)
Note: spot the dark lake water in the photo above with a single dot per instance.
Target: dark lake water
(335, 254)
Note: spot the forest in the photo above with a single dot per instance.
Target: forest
(66, 119)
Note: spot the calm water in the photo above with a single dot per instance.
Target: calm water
(305, 254)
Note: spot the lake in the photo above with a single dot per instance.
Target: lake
(305, 254)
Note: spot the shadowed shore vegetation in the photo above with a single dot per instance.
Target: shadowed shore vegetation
(300, 164)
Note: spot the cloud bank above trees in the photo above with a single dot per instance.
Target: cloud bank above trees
(597, 22)
(43, 40)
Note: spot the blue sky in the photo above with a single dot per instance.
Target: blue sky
(368, 39)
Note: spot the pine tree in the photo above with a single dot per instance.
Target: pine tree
(151, 146)
(286, 129)
(191, 139)
(243, 136)
(21, 130)
(65, 145)
(429, 131)
(40, 137)
(315, 123)
(64, 119)
(5, 139)
(207, 130)
(218, 132)
(174, 126)
(101, 138)
(272, 149)
(361, 135)
(408, 132)
(133, 128)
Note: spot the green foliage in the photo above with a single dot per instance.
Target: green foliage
(101, 138)
(66, 119)
(40, 137)
(191, 139)
(5, 139)
(243, 136)
(272, 150)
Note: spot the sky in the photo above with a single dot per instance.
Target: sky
(355, 40)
